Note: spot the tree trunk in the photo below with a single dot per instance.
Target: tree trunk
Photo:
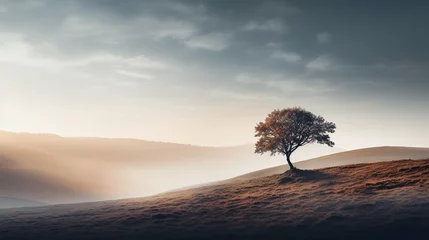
(289, 162)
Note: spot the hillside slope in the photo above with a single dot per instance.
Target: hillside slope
(387, 200)
(53, 169)
(365, 155)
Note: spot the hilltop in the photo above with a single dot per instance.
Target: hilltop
(364, 155)
(385, 200)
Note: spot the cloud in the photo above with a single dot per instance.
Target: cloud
(237, 95)
(133, 74)
(211, 41)
(303, 87)
(275, 25)
(142, 27)
(81, 26)
(34, 3)
(275, 8)
(140, 61)
(186, 9)
(274, 44)
(168, 29)
(3, 8)
(244, 78)
(286, 56)
(144, 62)
(277, 84)
(152, 37)
(322, 63)
(15, 50)
(324, 37)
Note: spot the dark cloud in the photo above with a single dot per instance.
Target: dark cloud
(371, 46)
(366, 32)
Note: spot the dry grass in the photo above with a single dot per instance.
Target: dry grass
(387, 200)
(364, 155)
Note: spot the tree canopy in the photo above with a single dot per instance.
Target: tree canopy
(285, 130)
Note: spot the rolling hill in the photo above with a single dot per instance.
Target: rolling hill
(386, 200)
(54, 169)
(365, 155)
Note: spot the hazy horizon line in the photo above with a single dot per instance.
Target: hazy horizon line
(177, 143)
(120, 138)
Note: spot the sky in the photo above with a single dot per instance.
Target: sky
(205, 72)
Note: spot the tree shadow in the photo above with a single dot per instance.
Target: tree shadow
(298, 175)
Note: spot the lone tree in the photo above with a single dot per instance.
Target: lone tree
(286, 130)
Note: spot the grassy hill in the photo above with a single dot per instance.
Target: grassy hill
(386, 200)
(54, 169)
(365, 155)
